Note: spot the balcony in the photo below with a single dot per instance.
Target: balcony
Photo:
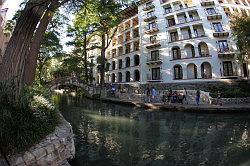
(154, 60)
(148, 7)
(151, 78)
(153, 44)
(207, 3)
(221, 34)
(214, 16)
(150, 18)
(226, 52)
(150, 30)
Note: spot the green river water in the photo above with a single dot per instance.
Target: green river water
(111, 134)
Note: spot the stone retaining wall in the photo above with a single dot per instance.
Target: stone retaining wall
(54, 150)
(225, 101)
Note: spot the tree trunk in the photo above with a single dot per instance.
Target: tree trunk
(85, 58)
(102, 67)
(30, 66)
(16, 51)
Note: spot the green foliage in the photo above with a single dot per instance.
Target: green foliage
(240, 29)
(27, 120)
(229, 92)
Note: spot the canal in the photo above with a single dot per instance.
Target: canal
(111, 134)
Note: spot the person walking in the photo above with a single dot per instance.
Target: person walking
(198, 94)
(185, 95)
(153, 93)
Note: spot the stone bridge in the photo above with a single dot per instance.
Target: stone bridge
(89, 90)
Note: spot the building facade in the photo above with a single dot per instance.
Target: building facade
(174, 41)
(4, 37)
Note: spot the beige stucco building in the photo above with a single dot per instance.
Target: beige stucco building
(176, 41)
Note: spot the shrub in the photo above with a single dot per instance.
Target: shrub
(228, 92)
(27, 120)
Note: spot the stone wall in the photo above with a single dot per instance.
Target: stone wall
(225, 101)
(54, 150)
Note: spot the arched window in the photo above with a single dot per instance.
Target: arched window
(137, 75)
(127, 62)
(113, 65)
(120, 63)
(203, 49)
(190, 52)
(191, 71)
(176, 53)
(178, 73)
(206, 70)
(113, 78)
(136, 60)
(127, 76)
(119, 77)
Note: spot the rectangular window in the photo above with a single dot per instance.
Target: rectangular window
(152, 25)
(223, 46)
(218, 27)
(174, 36)
(171, 22)
(196, 34)
(156, 74)
(153, 39)
(227, 68)
(210, 11)
(168, 10)
(155, 55)
(150, 14)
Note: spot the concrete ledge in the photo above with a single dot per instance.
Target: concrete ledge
(54, 150)
(239, 108)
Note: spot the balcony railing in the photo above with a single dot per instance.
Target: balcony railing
(148, 7)
(150, 18)
(153, 44)
(151, 29)
(214, 15)
(221, 33)
(156, 78)
(207, 2)
(156, 60)
(226, 52)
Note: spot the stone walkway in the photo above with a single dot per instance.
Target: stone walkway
(203, 108)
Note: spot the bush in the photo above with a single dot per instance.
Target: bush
(228, 92)
(27, 120)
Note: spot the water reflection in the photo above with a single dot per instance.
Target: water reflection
(109, 134)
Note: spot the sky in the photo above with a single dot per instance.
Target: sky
(13, 6)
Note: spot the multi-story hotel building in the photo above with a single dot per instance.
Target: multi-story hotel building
(173, 41)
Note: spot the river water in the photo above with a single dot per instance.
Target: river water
(111, 134)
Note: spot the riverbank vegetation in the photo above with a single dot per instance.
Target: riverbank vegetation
(27, 120)
(229, 91)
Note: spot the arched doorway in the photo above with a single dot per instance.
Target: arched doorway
(206, 70)
(191, 71)
(137, 75)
